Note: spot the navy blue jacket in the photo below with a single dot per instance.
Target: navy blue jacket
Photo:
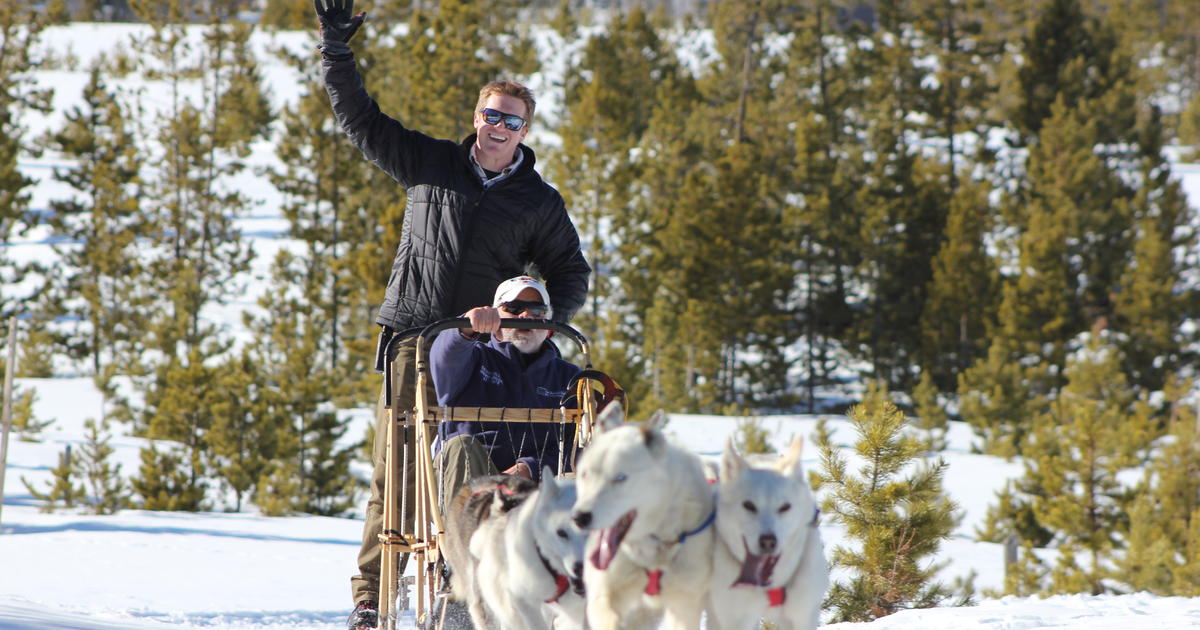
(470, 373)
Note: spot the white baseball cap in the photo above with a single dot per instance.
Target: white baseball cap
(511, 288)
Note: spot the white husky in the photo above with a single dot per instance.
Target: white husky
(768, 562)
(650, 558)
(531, 561)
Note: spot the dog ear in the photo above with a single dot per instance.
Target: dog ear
(549, 487)
(732, 462)
(654, 440)
(789, 464)
(612, 416)
(510, 492)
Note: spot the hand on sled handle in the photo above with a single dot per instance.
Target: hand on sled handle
(484, 319)
(336, 19)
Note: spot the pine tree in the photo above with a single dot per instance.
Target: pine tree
(178, 408)
(1068, 59)
(243, 436)
(38, 345)
(969, 55)
(21, 25)
(1073, 244)
(999, 396)
(900, 521)
(752, 437)
(827, 171)
(931, 416)
(1163, 544)
(103, 220)
(65, 488)
(1152, 303)
(24, 423)
(720, 252)
(163, 481)
(106, 489)
(619, 71)
(325, 181)
(1093, 432)
(288, 14)
(307, 430)
(962, 298)
(196, 249)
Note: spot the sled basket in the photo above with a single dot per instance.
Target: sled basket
(577, 410)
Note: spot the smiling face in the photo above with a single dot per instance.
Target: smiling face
(496, 144)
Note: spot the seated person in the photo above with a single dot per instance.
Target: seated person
(513, 368)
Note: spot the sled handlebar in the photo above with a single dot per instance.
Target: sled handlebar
(426, 335)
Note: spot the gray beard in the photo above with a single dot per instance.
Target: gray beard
(524, 342)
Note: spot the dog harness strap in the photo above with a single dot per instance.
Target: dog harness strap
(776, 596)
(708, 521)
(653, 581)
(561, 583)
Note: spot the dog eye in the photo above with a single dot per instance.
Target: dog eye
(619, 478)
(562, 533)
(749, 506)
(785, 507)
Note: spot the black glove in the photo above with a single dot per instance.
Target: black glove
(337, 24)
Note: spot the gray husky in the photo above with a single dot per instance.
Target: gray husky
(531, 561)
(480, 500)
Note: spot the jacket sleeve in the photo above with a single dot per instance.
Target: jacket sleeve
(560, 261)
(396, 150)
(452, 361)
(535, 467)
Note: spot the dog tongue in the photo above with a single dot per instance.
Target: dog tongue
(756, 569)
(610, 539)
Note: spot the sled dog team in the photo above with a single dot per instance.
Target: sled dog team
(640, 539)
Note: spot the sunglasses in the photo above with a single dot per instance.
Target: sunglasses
(512, 122)
(517, 307)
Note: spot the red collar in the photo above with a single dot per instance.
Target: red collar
(561, 583)
(653, 582)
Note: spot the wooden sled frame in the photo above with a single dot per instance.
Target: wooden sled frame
(423, 543)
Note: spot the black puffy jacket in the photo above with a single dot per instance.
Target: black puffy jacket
(459, 240)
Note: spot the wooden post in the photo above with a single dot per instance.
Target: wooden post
(1012, 547)
(10, 368)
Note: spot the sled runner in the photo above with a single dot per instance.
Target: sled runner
(588, 391)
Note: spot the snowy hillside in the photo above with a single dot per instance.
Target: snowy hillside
(233, 571)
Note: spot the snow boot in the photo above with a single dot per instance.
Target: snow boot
(364, 617)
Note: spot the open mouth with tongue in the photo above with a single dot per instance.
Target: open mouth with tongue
(756, 569)
(610, 539)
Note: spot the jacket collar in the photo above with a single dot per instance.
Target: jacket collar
(527, 157)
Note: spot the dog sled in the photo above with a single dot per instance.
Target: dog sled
(588, 392)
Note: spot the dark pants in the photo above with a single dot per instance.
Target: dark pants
(365, 585)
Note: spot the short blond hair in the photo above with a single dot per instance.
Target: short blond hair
(508, 88)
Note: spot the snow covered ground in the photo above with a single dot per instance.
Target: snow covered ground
(243, 571)
(232, 571)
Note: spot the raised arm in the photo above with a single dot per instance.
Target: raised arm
(386, 143)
